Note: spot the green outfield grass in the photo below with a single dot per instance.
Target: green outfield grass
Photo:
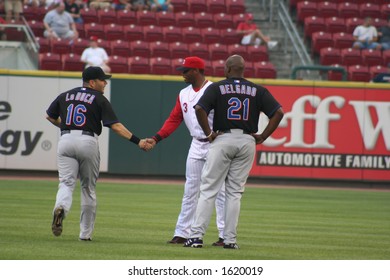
(134, 221)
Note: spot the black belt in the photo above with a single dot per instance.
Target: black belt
(229, 131)
(84, 132)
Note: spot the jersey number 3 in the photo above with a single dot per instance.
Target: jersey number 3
(75, 115)
(238, 110)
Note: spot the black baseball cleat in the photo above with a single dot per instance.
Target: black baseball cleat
(177, 240)
(85, 239)
(58, 217)
(231, 246)
(194, 243)
(219, 242)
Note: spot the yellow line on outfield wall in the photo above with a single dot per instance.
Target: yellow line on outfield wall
(179, 78)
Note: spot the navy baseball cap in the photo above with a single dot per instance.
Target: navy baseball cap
(191, 62)
(93, 73)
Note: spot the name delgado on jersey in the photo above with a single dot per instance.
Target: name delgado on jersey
(238, 89)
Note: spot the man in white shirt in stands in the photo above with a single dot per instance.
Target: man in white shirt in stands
(95, 56)
(366, 36)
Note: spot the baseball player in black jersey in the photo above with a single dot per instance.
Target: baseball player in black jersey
(237, 105)
(79, 113)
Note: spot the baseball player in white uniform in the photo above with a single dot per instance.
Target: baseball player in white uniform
(193, 73)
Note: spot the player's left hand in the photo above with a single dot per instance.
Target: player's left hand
(259, 138)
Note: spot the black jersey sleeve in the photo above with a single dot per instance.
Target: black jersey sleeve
(269, 105)
(108, 115)
(209, 98)
(54, 109)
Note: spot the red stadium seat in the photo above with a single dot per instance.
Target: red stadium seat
(330, 56)
(265, 70)
(335, 24)
(313, 24)
(50, 61)
(94, 29)
(160, 49)
(140, 48)
(44, 44)
(348, 10)
(133, 32)
(29, 13)
(180, 5)
(211, 35)
(327, 9)
(89, 15)
(385, 11)
(146, 18)
(238, 18)
(200, 50)
(160, 66)
(120, 48)
(197, 6)
(192, 35)
(106, 45)
(218, 67)
(153, 33)
(184, 19)
(41, 12)
(335, 75)
(306, 9)
(79, 45)
(139, 65)
(230, 36)
(343, 40)
(72, 62)
(177, 62)
(126, 17)
(179, 50)
(240, 50)
(386, 57)
(119, 64)
(249, 71)
(81, 30)
(377, 69)
(204, 20)
(369, 10)
(223, 21)
(350, 57)
(359, 73)
(216, 6)
(258, 53)
(60, 46)
(235, 6)
(15, 33)
(113, 31)
(37, 27)
(352, 23)
(172, 34)
(371, 57)
(218, 51)
(379, 22)
(165, 18)
(107, 16)
(321, 40)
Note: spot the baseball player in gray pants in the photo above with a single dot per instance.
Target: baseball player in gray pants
(79, 113)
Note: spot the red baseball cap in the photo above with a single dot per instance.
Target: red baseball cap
(94, 38)
(191, 62)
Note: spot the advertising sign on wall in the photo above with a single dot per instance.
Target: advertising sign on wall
(332, 133)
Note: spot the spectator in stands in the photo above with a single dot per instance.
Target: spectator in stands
(162, 5)
(384, 36)
(100, 4)
(383, 77)
(118, 5)
(3, 36)
(95, 56)
(59, 24)
(252, 35)
(139, 5)
(13, 9)
(35, 3)
(74, 10)
(366, 36)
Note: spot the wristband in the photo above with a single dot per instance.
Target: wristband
(157, 138)
(211, 133)
(134, 139)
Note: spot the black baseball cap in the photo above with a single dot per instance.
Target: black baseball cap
(93, 73)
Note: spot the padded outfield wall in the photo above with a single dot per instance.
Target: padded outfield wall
(330, 130)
